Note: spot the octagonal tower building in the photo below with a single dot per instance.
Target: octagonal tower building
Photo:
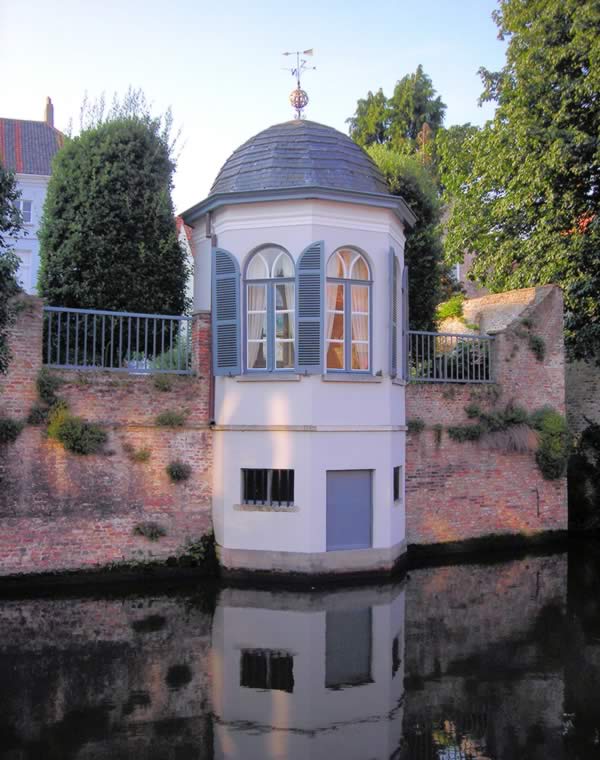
(299, 251)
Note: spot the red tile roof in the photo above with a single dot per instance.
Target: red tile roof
(28, 147)
(188, 230)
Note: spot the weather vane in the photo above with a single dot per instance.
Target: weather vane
(298, 97)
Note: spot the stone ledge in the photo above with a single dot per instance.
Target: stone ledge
(264, 508)
(273, 564)
(349, 377)
(268, 377)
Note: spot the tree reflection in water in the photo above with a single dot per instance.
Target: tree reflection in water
(460, 662)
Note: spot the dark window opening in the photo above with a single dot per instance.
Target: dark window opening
(270, 487)
(395, 656)
(397, 483)
(267, 669)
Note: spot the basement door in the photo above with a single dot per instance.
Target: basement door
(349, 509)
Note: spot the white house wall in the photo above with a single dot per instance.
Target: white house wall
(27, 246)
(310, 424)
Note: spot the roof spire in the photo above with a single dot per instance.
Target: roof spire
(298, 97)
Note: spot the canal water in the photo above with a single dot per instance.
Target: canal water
(460, 662)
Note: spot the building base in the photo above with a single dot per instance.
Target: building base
(332, 565)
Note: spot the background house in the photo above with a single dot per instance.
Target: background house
(27, 148)
(184, 235)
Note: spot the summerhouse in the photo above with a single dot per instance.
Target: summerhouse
(299, 251)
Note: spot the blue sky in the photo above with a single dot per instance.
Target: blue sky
(218, 65)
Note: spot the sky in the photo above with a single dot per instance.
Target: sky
(219, 65)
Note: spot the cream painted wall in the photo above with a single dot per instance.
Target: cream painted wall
(368, 417)
(33, 188)
(310, 455)
(313, 721)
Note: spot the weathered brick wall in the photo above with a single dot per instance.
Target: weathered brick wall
(456, 491)
(583, 395)
(61, 511)
(17, 389)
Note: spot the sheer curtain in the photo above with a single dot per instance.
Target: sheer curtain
(335, 326)
(360, 327)
(284, 325)
(257, 326)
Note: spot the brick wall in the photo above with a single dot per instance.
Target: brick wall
(17, 389)
(61, 511)
(583, 395)
(456, 491)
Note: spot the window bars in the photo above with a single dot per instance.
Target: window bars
(117, 341)
(268, 487)
(449, 358)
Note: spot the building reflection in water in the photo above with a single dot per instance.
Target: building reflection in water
(308, 675)
(462, 662)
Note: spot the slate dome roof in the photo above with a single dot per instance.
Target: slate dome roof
(299, 154)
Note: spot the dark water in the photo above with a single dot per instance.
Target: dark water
(496, 662)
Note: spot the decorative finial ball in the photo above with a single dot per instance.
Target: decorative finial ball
(298, 99)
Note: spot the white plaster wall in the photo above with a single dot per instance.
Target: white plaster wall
(310, 455)
(202, 267)
(368, 417)
(308, 400)
(33, 188)
(189, 258)
(313, 721)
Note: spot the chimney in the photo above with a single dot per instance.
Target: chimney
(49, 113)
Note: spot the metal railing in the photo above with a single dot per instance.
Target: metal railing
(449, 358)
(117, 341)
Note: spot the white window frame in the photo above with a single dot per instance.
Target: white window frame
(21, 208)
(271, 341)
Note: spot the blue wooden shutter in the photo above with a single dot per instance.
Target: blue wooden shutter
(405, 324)
(309, 309)
(393, 295)
(225, 313)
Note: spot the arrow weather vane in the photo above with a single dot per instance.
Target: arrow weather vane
(298, 97)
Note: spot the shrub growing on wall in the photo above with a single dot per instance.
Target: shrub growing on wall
(171, 418)
(74, 433)
(9, 429)
(179, 471)
(553, 451)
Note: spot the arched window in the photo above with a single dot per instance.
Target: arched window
(348, 312)
(270, 310)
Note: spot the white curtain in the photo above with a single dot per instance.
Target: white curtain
(360, 327)
(335, 326)
(257, 324)
(331, 301)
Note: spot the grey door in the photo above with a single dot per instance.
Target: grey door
(348, 648)
(349, 509)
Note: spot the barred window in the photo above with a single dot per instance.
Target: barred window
(268, 487)
(267, 669)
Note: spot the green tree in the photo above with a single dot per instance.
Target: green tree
(524, 190)
(11, 225)
(370, 123)
(108, 237)
(397, 121)
(423, 252)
